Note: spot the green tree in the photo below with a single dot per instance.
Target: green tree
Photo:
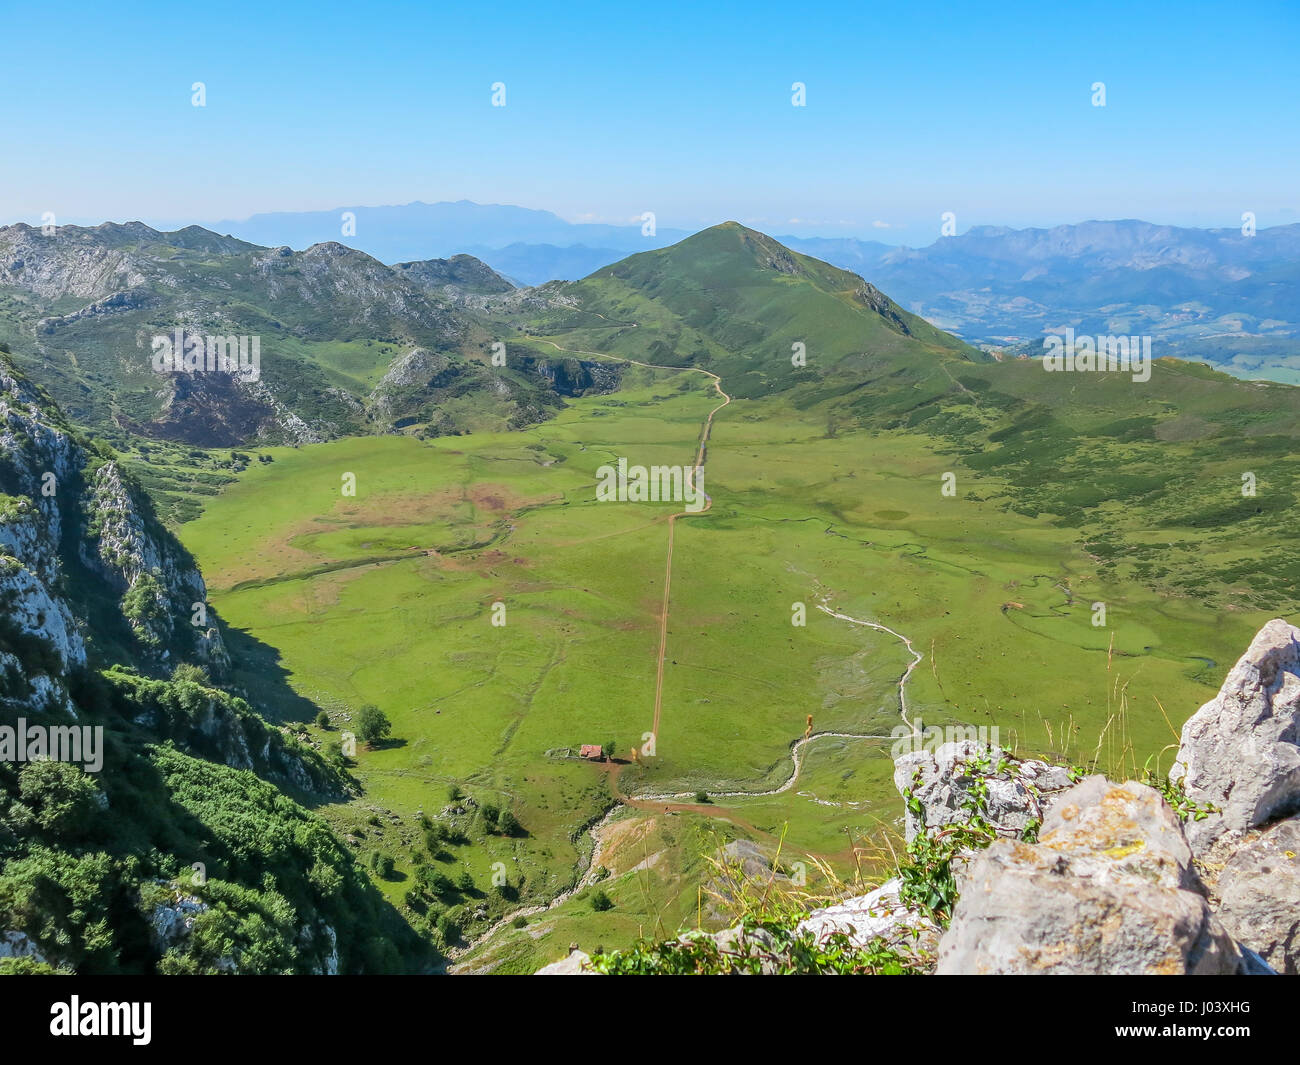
(372, 724)
(486, 818)
(448, 929)
(434, 836)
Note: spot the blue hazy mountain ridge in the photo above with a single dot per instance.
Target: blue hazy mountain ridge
(1213, 294)
(418, 231)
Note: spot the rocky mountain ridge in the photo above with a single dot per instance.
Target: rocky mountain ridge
(82, 308)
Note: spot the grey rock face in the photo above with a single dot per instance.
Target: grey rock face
(755, 943)
(1239, 751)
(66, 266)
(323, 941)
(1259, 896)
(52, 494)
(943, 780)
(578, 963)
(748, 859)
(1106, 891)
(171, 921)
(126, 552)
(878, 915)
(39, 460)
(17, 944)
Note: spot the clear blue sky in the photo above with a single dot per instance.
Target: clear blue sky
(913, 109)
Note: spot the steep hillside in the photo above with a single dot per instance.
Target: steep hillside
(738, 303)
(162, 835)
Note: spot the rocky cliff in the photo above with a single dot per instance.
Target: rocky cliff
(81, 550)
(168, 837)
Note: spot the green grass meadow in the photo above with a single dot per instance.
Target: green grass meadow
(386, 597)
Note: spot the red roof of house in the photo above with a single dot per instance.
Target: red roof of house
(591, 750)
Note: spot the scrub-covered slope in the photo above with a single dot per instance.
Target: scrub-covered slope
(146, 822)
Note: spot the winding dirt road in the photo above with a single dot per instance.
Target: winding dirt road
(700, 458)
(796, 748)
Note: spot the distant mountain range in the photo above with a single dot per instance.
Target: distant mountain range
(526, 245)
(1213, 295)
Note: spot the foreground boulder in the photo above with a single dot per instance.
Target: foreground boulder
(952, 780)
(578, 963)
(1259, 895)
(1239, 752)
(879, 916)
(1108, 890)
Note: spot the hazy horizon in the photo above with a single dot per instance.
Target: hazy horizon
(899, 237)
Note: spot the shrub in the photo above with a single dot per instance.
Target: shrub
(187, 671)
(63, 799)
(145, 607)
